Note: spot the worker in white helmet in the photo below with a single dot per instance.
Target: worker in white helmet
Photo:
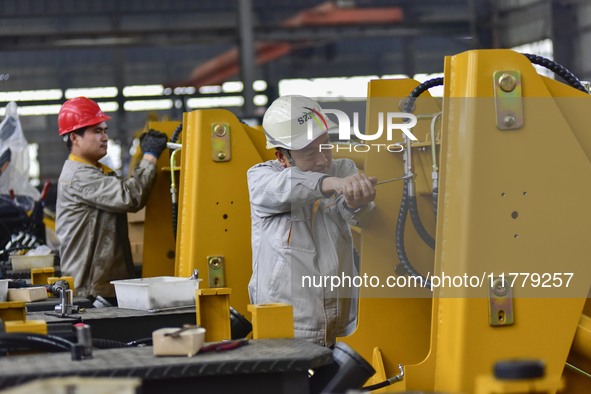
(301, 206)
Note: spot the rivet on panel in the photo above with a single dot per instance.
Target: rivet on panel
(507, 82)
(219, 130)
(509, 120)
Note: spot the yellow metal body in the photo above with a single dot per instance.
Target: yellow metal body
(271, 320)
(509, 201)
(214, 208)
(213, 313)
(40, 276)
(159, 242)
(486, 175)
(13, 311)
(392, 323)
(29, 326)
(213, 223)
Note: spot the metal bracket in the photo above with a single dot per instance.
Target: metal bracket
(215, 267)
(500, 303)
(220, 142)
(508, 99)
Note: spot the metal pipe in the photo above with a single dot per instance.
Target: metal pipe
(173, 145)
(247, 51)
(435, 168)
(172, 163)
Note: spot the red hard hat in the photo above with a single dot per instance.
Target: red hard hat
(79, 112)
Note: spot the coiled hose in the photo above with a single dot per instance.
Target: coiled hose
(412, 199)
(408, 106)
(416, 219)
(557, 69)
(409, 202)
(176, 133)
(53, 344)
(47, 343)
(409, 103)
(175, 206)
(400, 249)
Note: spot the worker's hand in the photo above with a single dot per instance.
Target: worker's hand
(358, 189)
(153, 142)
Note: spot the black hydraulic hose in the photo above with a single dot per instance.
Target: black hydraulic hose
(557, 69)
(100, 343)
(176, 133)
(435, 196)
(408, 106)
(376, 386)
(416, 92)
(18, 341)
(140, 342)
(400, 249)
(416, 221)
(175, 206)
(175, 212)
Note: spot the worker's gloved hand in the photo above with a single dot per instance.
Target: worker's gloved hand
(153, 142)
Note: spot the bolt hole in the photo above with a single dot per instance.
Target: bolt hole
(501, 316)
(503, 194)
(231, 202)
(524, 193)
(225, 230)
(515, 236)
(217, 203)
(514, 214)
(225, 216)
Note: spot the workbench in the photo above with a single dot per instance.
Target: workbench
(261, 366)
(117, 324)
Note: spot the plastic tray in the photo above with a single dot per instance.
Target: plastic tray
(151, 294)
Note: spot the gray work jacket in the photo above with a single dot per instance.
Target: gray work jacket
(91, 223)
(298, 232)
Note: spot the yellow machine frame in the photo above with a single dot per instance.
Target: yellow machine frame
(487, 175)
(214, 212)
(510, 200)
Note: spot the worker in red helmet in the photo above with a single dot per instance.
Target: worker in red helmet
(92, 202)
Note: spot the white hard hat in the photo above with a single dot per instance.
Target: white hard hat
(293, 122)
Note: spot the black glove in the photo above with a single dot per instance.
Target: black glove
(153, 142)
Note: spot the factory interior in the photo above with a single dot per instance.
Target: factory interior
(311, 196)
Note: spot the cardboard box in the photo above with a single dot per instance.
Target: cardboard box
(137, 217)
(3, 289)
(137, 252)
(25, 263)
(27, 294)
(136, 240)
(177, 341)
